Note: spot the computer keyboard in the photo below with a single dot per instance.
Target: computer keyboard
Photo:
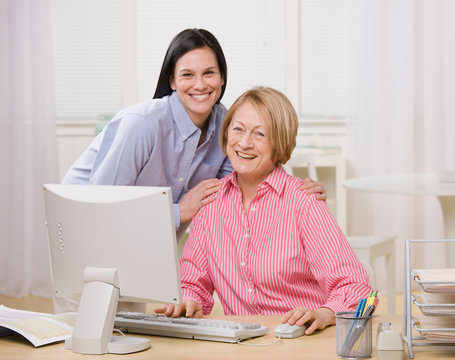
(189, 328)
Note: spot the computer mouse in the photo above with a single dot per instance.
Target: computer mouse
(286, 331)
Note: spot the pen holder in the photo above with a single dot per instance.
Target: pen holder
(353, 334)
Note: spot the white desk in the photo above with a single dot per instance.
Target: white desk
(321, 346)
(426, 184)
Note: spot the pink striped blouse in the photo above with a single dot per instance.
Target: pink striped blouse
(287, 252)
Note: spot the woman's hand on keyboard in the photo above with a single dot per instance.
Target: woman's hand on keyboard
(188, 308)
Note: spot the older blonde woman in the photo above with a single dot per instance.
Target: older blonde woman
(263, 245)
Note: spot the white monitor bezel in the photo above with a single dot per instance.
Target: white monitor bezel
(85, 221)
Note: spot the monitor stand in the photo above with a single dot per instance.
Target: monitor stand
(92, 333)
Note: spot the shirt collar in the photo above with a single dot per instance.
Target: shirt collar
(275, 180)
(184, 123)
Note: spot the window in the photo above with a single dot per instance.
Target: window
(324, 26)
(90, 54)
(87, 54)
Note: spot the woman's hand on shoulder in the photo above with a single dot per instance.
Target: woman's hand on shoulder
(315, 319)
(202, 194)
(188, 308)
(314, 187)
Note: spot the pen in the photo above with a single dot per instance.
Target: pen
(358, 313)
(369, 310)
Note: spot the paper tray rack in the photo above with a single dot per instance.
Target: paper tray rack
(408, 321)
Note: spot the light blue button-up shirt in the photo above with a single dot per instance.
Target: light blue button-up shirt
(154, 143)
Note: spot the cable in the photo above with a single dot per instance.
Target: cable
(269, 344)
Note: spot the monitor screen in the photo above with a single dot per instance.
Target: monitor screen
(109, 243)
(130, 228)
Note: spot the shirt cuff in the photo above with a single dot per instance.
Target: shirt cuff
(337, 307)
(176, 216)
(191, 295)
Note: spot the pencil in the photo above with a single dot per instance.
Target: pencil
(370, 301)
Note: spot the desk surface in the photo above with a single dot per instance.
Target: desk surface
(320, 346)
(406, 184)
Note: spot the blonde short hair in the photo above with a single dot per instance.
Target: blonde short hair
(277, 113)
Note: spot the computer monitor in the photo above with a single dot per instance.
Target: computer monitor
(110, 243)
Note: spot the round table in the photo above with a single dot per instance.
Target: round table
(426, 184)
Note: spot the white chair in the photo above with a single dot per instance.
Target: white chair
(369, 248)
(302, 160)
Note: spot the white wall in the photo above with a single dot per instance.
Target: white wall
(72, 139)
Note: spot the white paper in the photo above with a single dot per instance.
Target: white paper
(38, 328)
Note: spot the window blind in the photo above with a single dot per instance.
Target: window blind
(251, 33)
(87, 57)
(324, 57)
(88, 50)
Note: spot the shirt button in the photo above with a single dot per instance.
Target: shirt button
(250, 290)
(181, 179)
(243, 263)
(246, 235)
(252, 209)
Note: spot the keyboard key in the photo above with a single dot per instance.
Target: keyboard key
(189, 328)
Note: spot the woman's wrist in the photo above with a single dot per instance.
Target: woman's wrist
(326, 315)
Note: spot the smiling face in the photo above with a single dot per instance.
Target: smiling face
(198, 81)
(248, 146)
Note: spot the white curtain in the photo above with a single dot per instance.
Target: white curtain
(402, 115)
(27, 146)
